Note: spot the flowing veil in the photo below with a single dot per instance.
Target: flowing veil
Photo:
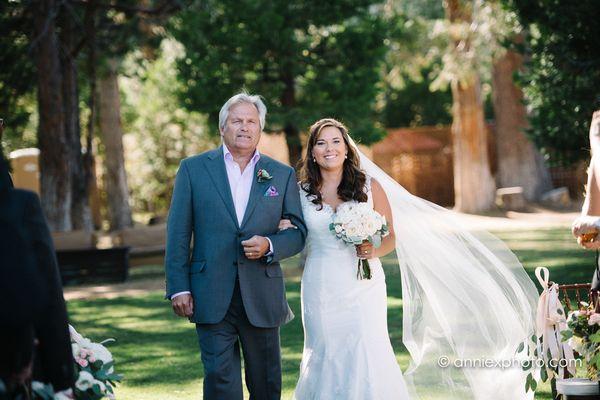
(466, 299)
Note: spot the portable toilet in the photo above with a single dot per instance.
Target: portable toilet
(25, 169)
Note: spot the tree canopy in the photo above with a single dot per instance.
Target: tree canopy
(309, 59)
(563, 74)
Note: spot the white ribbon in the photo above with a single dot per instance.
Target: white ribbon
(551, 321)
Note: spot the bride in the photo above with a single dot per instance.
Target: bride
(465, 296)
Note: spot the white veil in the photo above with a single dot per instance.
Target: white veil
(465, 297)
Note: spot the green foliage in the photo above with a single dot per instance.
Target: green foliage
(158, 131)
(116, 34)
(563, 74)
(309, 59)
(409, 100)
(17, 74)
(416, 105)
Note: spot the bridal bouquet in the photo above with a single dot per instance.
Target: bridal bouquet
(355, 223)
(94, 365)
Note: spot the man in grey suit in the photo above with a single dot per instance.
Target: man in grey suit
(230, 284)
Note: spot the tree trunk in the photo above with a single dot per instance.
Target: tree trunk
(519, 162)
(80, 210)
(292, 138)
(56, 187)
(292, 133)
(474, 185)
(111, 133)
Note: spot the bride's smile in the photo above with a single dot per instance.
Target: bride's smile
(330, 150)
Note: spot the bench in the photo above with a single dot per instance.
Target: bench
(81, 261)
(93, 265)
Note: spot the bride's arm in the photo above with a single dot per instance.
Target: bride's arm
(382, 206)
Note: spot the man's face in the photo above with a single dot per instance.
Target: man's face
(242, 128)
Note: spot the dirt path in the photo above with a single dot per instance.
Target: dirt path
(512, 220)
(110, 291)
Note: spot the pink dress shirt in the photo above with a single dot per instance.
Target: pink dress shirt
(240, 182)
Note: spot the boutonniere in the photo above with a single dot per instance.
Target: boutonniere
(263, 175)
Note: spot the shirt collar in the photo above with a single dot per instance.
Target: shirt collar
(228, 156)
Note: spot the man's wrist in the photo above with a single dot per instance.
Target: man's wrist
(180, 294)
(269, 250)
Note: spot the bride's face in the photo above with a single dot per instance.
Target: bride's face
(330, 149)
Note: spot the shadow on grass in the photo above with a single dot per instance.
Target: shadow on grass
(157, 351)
(151, 343)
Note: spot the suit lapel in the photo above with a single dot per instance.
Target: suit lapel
(216, 169)
(257, 190)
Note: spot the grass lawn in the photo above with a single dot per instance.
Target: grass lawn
(158, 353)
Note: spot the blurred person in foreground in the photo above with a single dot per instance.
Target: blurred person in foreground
(586, 227)
(34, 333)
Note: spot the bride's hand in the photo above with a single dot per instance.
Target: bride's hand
(365, 250)
(585, 224)
(286, 224)
(585, 229)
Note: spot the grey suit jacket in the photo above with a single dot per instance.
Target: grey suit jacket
(202, 212)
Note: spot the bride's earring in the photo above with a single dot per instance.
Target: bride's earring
(346, 156)
(314, 160)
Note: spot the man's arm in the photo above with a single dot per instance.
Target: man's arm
(179, 234)
(288, 242)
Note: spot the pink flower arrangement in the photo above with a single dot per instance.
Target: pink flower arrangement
(95, 368)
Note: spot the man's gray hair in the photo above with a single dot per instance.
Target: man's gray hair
(243, 97)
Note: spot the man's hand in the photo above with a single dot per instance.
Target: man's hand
(183, 305)
(256, 247)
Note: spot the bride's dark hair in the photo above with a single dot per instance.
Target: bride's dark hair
(352, 186)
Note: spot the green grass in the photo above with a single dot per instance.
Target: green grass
(158, 353)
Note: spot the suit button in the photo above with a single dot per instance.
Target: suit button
(240, 234)
(235, 263)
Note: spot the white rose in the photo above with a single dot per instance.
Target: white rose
(362, 232)
(338, 229)
(351, 230)
(576, 343)
(84, 381)
(345, 218)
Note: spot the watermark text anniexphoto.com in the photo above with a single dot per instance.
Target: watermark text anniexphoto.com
(448, 362)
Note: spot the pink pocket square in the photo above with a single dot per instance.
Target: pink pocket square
(271, 192)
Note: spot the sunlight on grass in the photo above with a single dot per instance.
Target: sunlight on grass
(158, 353)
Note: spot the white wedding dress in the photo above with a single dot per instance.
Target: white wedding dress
(347, 351)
